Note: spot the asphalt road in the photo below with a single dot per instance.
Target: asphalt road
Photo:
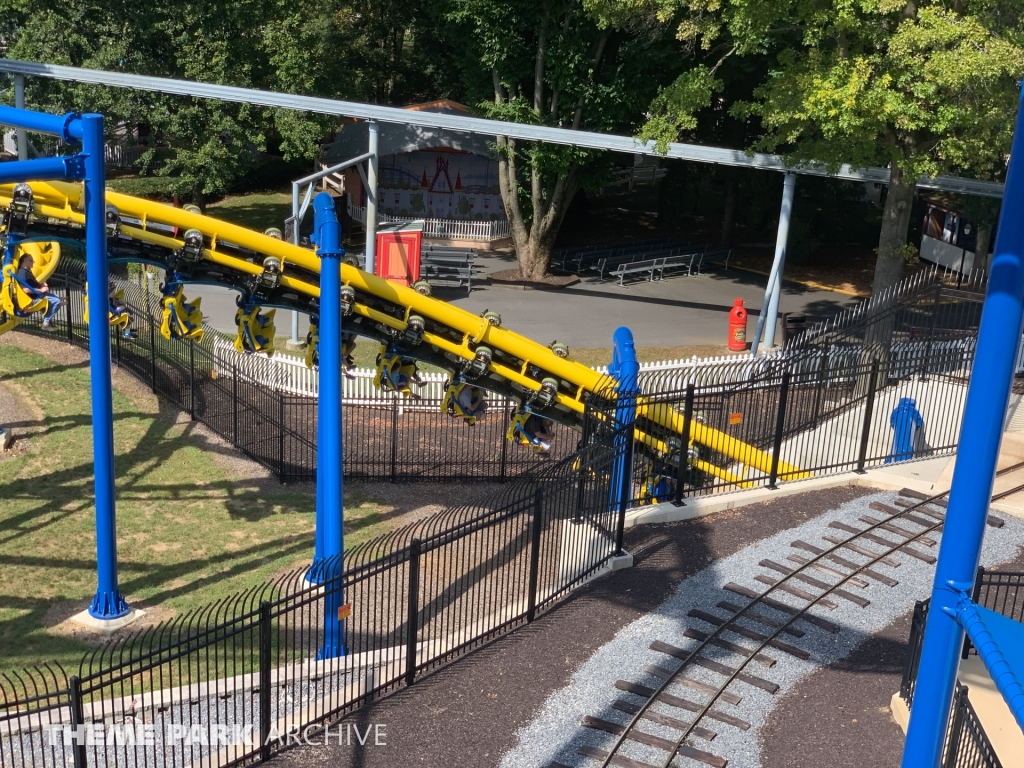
(680, 311)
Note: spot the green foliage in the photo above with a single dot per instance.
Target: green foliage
(158, 188)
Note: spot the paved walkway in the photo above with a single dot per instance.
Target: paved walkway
(680, 311)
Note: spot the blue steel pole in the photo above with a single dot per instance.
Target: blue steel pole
(626, 369)
(329, 479)
(989, 393)
(46, 169)
(68, 126)
(108, 603)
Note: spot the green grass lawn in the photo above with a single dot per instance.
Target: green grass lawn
(189, 531)
(256, 211)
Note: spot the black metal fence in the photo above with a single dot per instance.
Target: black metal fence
(392, 440)
(227, 684)
(967, 745)
(822, 419)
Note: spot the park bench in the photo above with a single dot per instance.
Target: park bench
(448, 265)
(712, 257)
(682, 259)
(579, 259)
(648, 266)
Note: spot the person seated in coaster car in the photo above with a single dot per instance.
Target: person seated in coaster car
(27, 295)
(527, 428)
(396, 373)
(117, 312)
(464, 400)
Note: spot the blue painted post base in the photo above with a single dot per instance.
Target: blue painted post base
(315, 574)
(108, 605)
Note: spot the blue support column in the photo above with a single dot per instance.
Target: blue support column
(987, 398)
(626, 369)
(108, 603)
(329, 478)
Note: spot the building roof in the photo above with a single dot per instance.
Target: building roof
(352, 139)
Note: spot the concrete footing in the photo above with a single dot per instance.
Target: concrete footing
(107, 626)
(294, 346)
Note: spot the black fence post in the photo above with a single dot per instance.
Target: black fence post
(192, 380)
(77, 722)
(975, 598)
(956, 727)
(234, 402)
(869, 406)
(117, 349)
(535, 531)
(67, 312)
(394, 440)
(412, 612)
(152, 352)
(684, 448)
(822, 377)
(931, 332)
(265, 687)
(780, 426)
(503, 469)
(625, 493)
(280, 443)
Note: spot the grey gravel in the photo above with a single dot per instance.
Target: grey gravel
(555, 733)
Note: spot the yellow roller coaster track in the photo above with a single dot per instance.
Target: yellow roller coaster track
(442, 334)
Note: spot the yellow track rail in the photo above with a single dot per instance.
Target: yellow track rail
(64, 202)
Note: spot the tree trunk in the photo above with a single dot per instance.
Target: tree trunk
(895, 224)
(982, 254)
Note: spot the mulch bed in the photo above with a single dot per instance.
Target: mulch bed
(468, 712)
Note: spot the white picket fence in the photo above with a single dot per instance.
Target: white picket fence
(451, 229)
(289, 374)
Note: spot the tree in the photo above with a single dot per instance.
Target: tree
(298, 46)
(903, 83)
(571, 63)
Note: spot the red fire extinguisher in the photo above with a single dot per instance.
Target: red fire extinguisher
(738, 327)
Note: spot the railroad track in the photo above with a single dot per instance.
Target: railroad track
(815, 575)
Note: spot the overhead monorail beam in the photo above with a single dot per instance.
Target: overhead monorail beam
(548, 134)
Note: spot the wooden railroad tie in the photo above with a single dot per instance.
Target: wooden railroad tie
(857, 599)
(871, 574)
(903, 515)
(656, 671)
(750, 634)
(992, 520)
(930, 559)
(892, 562)
(739, 650)
(654, 741)
(928, 541)
(803, 594)
(657, 717)
(628, 762)
(715, 666)
(855, 581)
(817, 621)
(760, 618)
(680, 703)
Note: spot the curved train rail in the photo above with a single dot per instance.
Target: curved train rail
(193, 248)
(925, 513)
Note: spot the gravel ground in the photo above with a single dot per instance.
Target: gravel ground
(555, 733)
